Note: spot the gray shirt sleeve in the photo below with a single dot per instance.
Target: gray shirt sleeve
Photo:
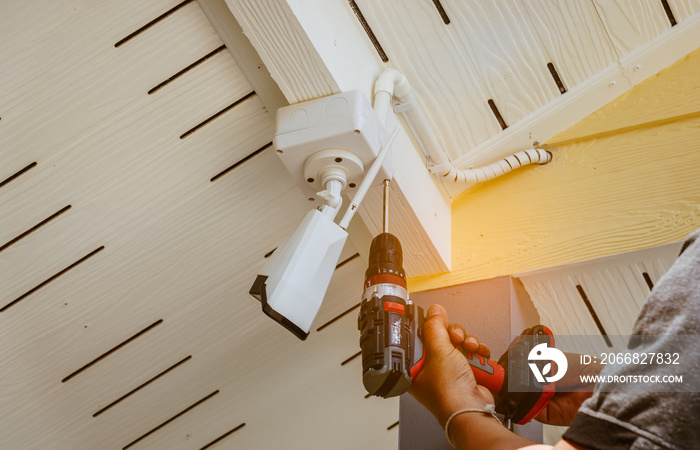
(652, 420)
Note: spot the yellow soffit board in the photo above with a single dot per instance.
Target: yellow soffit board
(624, 178)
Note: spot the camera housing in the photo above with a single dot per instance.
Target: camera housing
(292, 283)
(328, 145)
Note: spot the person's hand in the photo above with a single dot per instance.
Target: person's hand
(570, 392)
(446, 384)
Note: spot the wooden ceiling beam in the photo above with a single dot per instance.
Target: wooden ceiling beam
(313, 49)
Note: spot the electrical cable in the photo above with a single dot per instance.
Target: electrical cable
(368, 180)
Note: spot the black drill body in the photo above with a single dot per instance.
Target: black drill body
(389, 324)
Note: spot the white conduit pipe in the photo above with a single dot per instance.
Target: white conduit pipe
(392, 84)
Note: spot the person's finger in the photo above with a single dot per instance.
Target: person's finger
(457, 334)
(435, 334)
(471, 344)
(484, 351)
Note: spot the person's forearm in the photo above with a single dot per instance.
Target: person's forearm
(471, 431)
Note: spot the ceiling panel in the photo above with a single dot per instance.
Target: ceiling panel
(573, 36)
(62, 105)
(601, 296)
(419, 44)
(682, 9)
(138, 156)
(257, 368)
(480, 67)
(129, 243)
(631, 23)
(499, 40)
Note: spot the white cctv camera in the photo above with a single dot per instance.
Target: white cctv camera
(292, 283)
(325, 144)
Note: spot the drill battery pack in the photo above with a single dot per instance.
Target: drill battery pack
(391, 342)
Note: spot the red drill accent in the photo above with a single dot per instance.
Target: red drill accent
(393, 306)
(385, 278)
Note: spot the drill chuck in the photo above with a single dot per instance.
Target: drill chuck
(385, 258)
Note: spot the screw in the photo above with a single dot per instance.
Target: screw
(338, 159)
(309, 180)
(612, 83)
(351, 185)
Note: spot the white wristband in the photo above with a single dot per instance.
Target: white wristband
(489, 410)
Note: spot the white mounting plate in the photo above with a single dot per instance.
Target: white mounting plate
(343, 121)
(341, 161)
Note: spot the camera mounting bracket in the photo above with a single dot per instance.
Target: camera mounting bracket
(340, 131)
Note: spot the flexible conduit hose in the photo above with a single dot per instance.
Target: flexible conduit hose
(393, 85)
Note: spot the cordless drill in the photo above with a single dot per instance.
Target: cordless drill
(392, 347)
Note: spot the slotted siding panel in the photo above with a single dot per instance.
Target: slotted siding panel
(682, 9)
(53, 42)
(632, 23)
(573, 36)
(478, 67)
(502, 44)
(487, 52)
(125, 271)
(615, 286)
(419, 44)
(142, 154)
(305, 406)
(261, 373)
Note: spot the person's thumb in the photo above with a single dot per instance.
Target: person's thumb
(435, 335)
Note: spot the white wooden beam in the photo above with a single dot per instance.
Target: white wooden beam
(243, 52)
(317, 48)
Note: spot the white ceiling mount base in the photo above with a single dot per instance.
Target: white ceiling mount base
(343, 126)
(333, 163)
